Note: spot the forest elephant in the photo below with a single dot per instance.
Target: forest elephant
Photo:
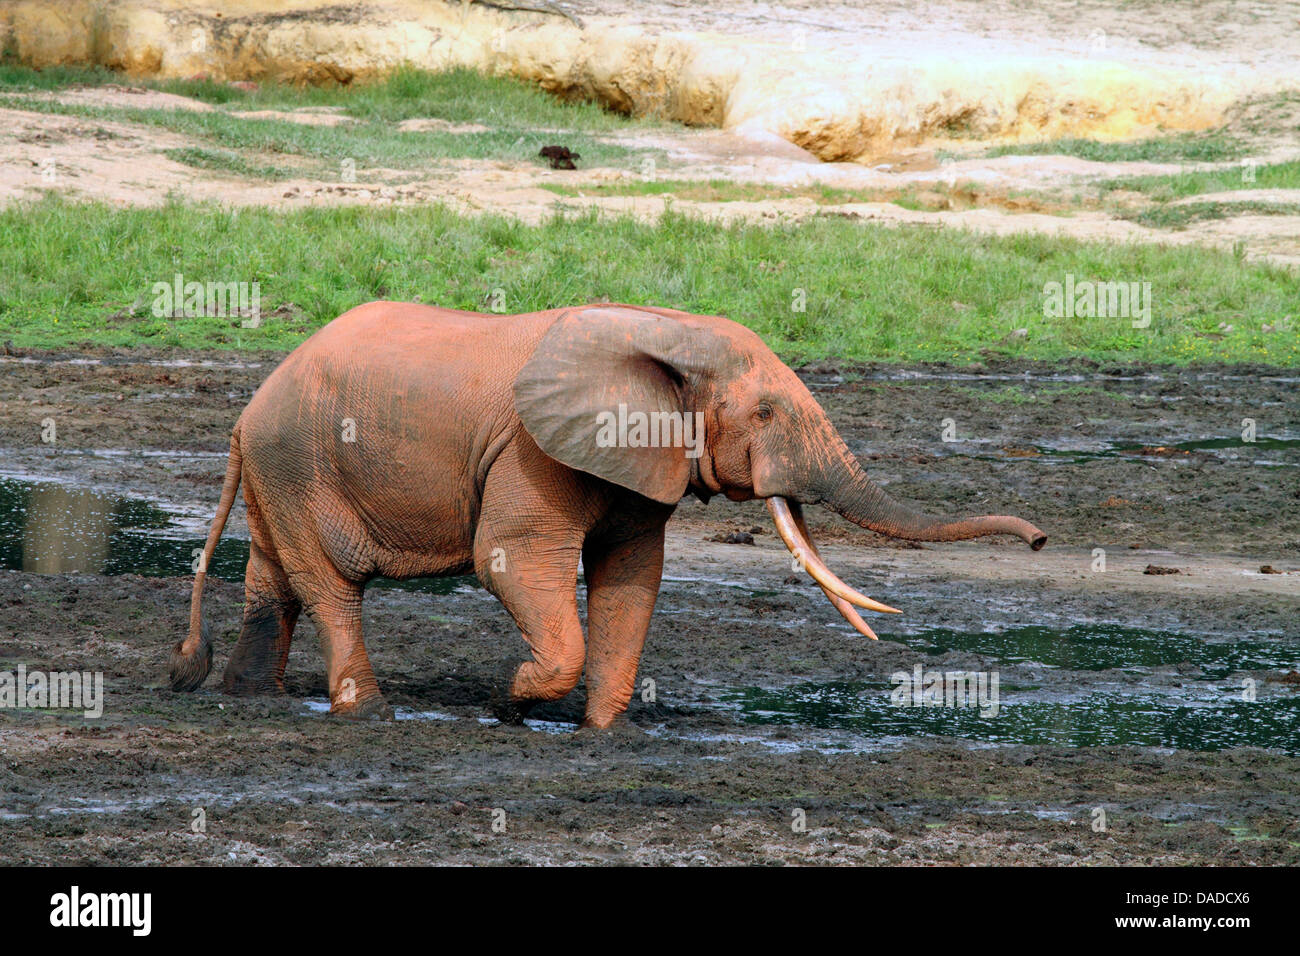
(404, 441)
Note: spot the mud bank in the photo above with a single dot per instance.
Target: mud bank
(845, 82)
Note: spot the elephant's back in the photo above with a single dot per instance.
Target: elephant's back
(386, 377)
(382, 419)
(408, 334)
(385, 351)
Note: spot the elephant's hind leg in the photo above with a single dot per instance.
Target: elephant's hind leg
(335, 609)
(304, 558)
(270, 613)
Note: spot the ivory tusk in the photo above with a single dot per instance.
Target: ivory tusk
(785, 526)
(847, 610)
(850, 614)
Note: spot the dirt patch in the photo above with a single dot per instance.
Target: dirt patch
(425, 124)
(131, 97)
(305, 117)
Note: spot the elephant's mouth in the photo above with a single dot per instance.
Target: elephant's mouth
(794, 532)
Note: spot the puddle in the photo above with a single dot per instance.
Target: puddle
(52, 528)
(319, 705)
(1098, 720)
(1198, 707)
(1098, 647)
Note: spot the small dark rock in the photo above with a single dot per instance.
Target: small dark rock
(736, 537)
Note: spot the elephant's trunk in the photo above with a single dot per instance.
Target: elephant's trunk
(848, 491)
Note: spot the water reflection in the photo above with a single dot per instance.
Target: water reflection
(48, 528)
(65, 530)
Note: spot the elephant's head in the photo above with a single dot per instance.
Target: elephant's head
(621, 392)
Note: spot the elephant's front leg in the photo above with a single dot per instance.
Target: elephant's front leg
(536, 580)
(622, 585)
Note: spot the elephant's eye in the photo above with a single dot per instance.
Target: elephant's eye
(763, 412)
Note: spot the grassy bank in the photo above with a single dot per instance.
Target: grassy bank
(481, 117)
(73, 274)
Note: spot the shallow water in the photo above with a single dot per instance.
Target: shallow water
(1163, 689)
(1097, 647)
(1209, 721)
(52, 528)
(1268, 451)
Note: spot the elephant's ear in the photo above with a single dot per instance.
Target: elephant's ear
(593, 377)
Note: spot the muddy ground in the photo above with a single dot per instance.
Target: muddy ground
(698, 775)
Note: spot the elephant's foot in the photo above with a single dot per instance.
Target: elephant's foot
(247, 683)
(618, 726)
(373, 707)
(510, 710)
(501, 704)
(256, 667)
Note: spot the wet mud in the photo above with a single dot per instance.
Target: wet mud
(1139, 717)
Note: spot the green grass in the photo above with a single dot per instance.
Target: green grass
(222, 160)
(928, 197)
(1194, 183)
(1183, 215)
(458, 95)
(71, 273)
(520, 119)
(26, 79)
(1214, 147)
(366, 144)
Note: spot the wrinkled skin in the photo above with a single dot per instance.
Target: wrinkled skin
(408, 441)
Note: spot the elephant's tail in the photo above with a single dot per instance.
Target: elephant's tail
(192, 658)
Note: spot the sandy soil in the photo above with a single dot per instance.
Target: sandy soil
(842, 79)
(124, 163)
(688, 781)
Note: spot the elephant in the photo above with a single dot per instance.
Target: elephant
(405, 440)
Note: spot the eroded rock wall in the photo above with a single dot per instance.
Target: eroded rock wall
(843, 98)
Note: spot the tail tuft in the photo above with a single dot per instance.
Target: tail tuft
(188, 672)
